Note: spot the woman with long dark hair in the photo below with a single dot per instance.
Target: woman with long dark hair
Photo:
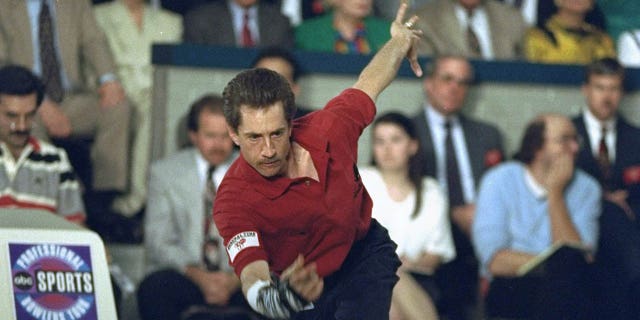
(414, 210)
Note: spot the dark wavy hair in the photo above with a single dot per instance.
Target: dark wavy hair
(604, 67)
(210, 102)
(532, 141)
(415, 161)
(256, 88)
(20, 81)
(280, 53)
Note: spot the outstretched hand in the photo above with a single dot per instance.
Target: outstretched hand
(400, 29)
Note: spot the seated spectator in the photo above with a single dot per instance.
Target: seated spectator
(33, 172)
(61, 41)
(349, 27)
(283, 62)
(238, 23)
(458, 150)
(472, 28)
(131, 27)
(566, 36)
(189, 272)
(629, 48)
(414, 210)
(539, 10)
(611, 154)
(547, 8)
(524, 207)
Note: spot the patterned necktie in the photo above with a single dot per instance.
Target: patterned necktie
(603, 157)
(48, 57)
(472, 37)
(454, 184)
(211, 254)
(247, 39)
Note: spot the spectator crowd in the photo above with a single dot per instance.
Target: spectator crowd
(76, 97)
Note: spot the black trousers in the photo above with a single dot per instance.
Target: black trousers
(618, 264)
(565, 290)
(362, 288)
(166, 294)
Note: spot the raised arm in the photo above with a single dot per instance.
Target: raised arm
(382, 69)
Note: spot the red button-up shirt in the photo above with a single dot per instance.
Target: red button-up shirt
(276, 219)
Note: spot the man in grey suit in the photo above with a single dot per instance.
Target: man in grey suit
(80, 107)
(475, 146)
(223, 23)
(185, 257)
(498, 29)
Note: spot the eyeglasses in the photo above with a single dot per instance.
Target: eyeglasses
(448, 79)
(566, 139)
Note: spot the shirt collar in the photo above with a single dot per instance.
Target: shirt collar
(461, 13)
(438, 120)
(221, 169)
(592, 123)
(273, 187)
(239, 11)
(537, 189)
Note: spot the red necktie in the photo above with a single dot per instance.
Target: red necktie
(603, 157)
(247, 39)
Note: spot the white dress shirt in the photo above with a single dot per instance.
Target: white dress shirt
(237, 15)
(594, 130)
(436, 125)
(480, 25)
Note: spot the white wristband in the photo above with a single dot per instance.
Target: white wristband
(252, 293)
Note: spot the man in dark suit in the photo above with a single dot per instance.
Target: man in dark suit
(475, 146)
(611, 154)
(238, 23)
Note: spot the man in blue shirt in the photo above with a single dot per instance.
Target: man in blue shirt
(524, 207)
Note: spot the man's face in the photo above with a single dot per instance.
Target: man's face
(282, 67)
(264, 139)
(16, 119)
(603, 94)
(212, 138)
(561, 139)
(447, 89)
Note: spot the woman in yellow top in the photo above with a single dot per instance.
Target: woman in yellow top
(567, 38)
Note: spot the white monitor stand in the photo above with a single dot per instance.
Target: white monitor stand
(52, 269)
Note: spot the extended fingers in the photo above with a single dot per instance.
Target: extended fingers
(401, 12)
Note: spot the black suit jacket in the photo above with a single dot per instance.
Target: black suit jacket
(212, 24)
(484, 144)
(625, 170)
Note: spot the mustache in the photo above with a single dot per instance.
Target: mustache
(20, 132)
